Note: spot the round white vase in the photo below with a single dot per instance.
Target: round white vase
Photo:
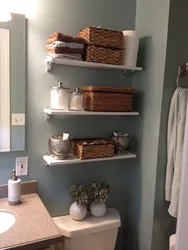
(98, 208)
(78, 211)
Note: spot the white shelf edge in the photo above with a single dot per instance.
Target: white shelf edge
(74, 160)
(76, 63)
(64, 113)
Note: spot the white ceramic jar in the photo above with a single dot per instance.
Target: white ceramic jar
(59, 97)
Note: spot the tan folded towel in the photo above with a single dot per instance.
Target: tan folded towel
(55, 50)
(56, 36)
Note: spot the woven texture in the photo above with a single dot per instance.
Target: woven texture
(102, 37)
(107, 99)
(108, 89)
(83, 152)
(103, 55)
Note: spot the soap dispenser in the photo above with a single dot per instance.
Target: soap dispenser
(14, 189)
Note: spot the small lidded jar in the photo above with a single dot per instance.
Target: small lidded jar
(59, 97)
(76, 100)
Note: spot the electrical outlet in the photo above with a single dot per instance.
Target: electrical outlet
(21, 166)
(18, 119)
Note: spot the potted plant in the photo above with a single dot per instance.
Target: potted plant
(100, 193)
(82, 197)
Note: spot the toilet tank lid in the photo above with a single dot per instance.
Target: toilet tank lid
(71, 228)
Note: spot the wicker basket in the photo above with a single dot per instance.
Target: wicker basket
(107, 99)
(103, 55)
(102, 37)
(83, 149)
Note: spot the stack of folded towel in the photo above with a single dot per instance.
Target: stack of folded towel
(63, 46)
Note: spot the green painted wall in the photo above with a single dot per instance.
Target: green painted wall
(177, 53)
(69, 17)
(152, 26)
(133, 182)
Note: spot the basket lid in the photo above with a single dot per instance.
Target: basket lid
(107, 89)
(71, 228)
(101, 28)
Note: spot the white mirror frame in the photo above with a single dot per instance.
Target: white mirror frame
(4, 90)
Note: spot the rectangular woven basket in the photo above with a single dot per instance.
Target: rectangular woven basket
(102, 37)
(97, 98)
(103, 55)
(104, 148)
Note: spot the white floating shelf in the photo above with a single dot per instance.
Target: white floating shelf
(82, 113)
(74, 160)
(76, 63)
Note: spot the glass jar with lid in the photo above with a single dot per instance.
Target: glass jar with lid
(59, 97)
(76, 100)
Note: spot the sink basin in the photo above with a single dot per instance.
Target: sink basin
(6, 221)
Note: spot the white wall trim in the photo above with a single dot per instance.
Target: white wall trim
(4, 90)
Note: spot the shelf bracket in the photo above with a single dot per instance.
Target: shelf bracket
(48, 116)
(126, 73)
(48, 66)
(48, 63)
(124, 76)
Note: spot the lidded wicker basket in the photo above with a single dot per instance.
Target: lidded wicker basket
(102, 37)
(98, 98)
(103, 45)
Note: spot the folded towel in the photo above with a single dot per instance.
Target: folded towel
(65, 56)
(54, 50)
(60, 44)
(56, 36)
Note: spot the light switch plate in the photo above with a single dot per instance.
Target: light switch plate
(18, 119)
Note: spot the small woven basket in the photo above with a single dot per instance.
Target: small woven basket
(102, 37)
(98, 98)
(103, 55)
(83, 149)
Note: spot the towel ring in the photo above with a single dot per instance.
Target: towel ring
(182, 70)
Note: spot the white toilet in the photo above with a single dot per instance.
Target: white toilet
(90, 234)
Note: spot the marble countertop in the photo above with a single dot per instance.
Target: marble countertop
(33, 228)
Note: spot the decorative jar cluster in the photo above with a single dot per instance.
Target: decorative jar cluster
(62, 98)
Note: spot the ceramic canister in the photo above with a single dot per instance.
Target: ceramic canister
(59, 97)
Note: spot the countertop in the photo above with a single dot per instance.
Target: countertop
(33, 228)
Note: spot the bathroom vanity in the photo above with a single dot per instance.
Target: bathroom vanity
(33, 227)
